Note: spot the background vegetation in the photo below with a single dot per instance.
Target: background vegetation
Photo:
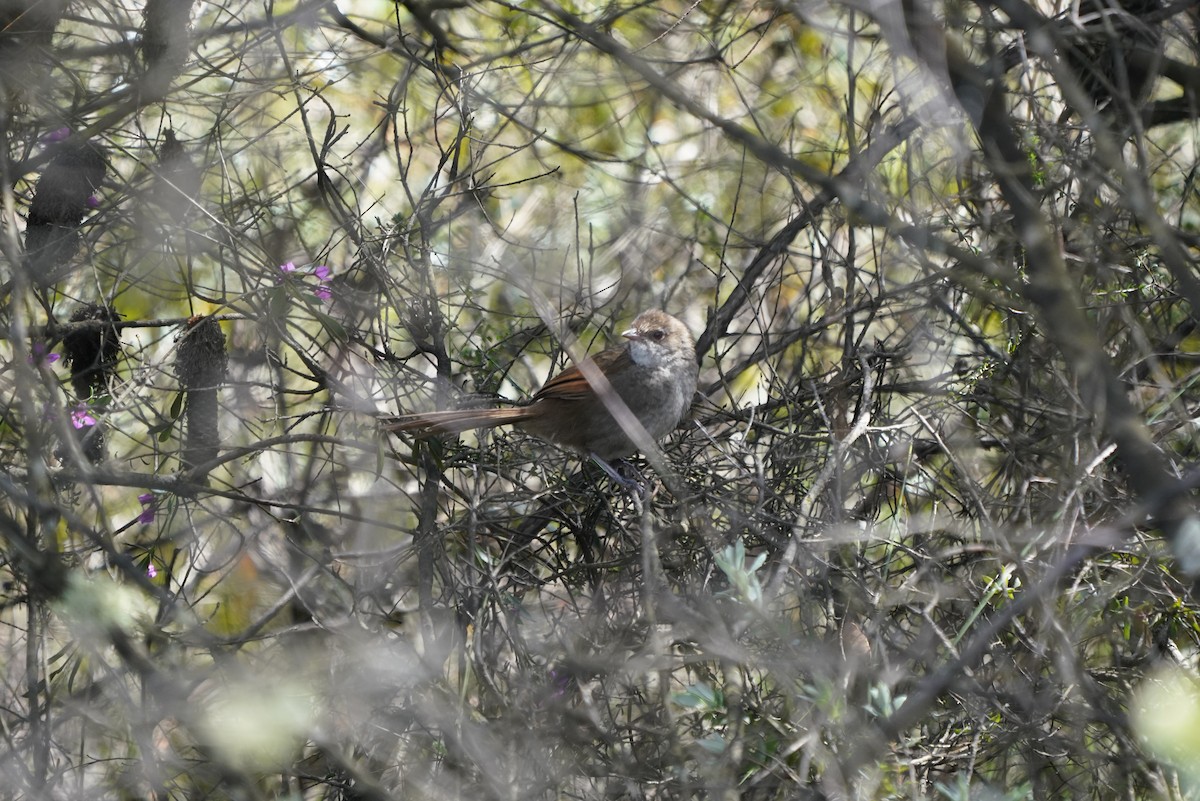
(928, 534)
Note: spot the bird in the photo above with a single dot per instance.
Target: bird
(653, 375)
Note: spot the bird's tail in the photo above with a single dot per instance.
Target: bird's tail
(455, 421)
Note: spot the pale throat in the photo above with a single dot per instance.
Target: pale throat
(642, 353)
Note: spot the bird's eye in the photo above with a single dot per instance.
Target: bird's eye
(657, 334)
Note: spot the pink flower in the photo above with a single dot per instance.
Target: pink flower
(287, 267)
(151, 570)
(81, 416)
(323, 291)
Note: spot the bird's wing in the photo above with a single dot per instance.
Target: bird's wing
(570, 383)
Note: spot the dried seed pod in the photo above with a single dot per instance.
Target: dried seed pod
(89, 433)
(201, 363)
(91, 353)
(59, 204)
(26, 34)
(176, 180)
(93, 441)
(165, 36)
(1114, 49)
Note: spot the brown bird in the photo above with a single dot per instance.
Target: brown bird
(653, 376)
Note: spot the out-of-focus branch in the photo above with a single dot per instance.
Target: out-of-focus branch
(1052, 293)
(854, 172)
(1107, 149)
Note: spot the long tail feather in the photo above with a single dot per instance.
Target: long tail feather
(455, 421)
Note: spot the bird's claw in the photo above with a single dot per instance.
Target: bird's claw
(634, 484)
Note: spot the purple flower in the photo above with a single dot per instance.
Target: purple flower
(147, 515)
(56, 135)
(81, 416)
(151, 570)
(321, 272)
(40, 354)
(93, 202)
(560, 683)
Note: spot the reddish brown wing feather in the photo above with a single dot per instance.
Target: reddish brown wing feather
(570, 383)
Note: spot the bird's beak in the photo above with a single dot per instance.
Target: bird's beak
(632, 333)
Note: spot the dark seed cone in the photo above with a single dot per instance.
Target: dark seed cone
(176, 181)
(201, 364)
(26, 30)
(1114, 54)
(165, 34)
(92, 354)
(58, 207)
(93, 442)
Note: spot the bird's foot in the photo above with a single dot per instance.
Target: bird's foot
(624, 474)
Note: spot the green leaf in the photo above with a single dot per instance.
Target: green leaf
(698, 696)
(331, 326)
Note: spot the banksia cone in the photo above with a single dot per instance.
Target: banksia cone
(1114, 54)
(92, 354)
(176, 180)
(201, 363)
(165, 33)
(164, 43)
(59, 204)
(26, 30)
